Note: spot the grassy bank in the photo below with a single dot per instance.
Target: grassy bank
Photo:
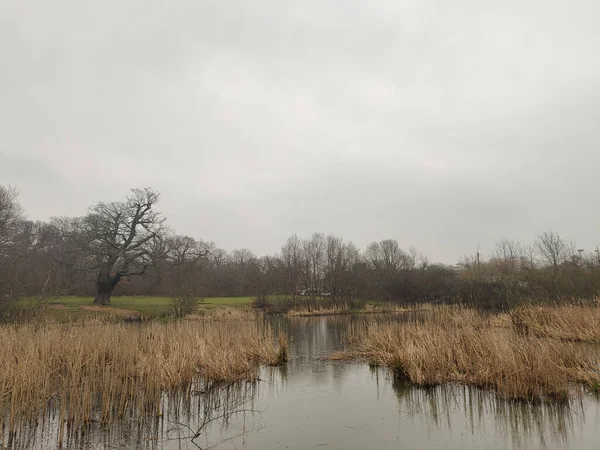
(456, 345)
(70, 307)
(102, 372)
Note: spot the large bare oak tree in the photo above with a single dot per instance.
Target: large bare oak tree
(117, 238)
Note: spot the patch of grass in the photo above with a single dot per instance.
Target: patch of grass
(373, 364)
(216, 302)
(68, 308)
(147, 306)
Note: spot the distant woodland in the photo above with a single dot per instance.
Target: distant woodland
(126, 248)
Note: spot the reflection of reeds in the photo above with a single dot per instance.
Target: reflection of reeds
(443, 405)
(282, 353)
(566, 322)
(106, 372)
(459, 345)
(191, 415)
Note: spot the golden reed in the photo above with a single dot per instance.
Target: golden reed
(566, 322)
(100, 372)
(458, 345)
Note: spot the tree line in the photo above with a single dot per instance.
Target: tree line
(126, 248)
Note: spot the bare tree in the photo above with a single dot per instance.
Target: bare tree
(334, 266)
(340, 260)
(220, 274)
(11, 214)
(244, 266)
(508, 257)
(116, 239)
(27, 269)
(291, 254)
(553, 251)
(508, 250)
(186, 255)
(10, 217)
(387, 256)
(218, 256)
(507, 261)
(268, 279)
(313, 261)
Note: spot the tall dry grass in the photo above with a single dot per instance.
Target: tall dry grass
(344, 308)
(225, 315)
(330, 310)
(565, 322)
(458, 345)
(102, 372)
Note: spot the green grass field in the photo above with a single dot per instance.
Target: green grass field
(70, 306)
(66, 308)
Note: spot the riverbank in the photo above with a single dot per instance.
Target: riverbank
(65, 308)
(72, 308)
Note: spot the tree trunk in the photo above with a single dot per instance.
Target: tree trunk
(104, 288)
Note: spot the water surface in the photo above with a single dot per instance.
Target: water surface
(319, 404)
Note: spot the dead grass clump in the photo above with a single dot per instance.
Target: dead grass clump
(334, 310)
(319, 311)
(225, 315)
(454, 316)
(568, 322)
(500, 320)
(392, 308)
(103, 372)
(282, 353)
(516, 366)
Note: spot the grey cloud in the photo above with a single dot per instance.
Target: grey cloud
(443, 125)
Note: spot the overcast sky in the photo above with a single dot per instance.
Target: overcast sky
(441, 124)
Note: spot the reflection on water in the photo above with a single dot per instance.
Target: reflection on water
(314, 404)
(446, 408)
(183, 418)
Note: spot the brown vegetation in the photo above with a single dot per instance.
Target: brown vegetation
(102, 372)
(458, 345)
(340, 309)
(225, 315)
(565, 322)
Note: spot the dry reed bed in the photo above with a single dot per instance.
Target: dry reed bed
(458, 345)
(567, 322)
(102, 372)
(346, 309)
(226, 315)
